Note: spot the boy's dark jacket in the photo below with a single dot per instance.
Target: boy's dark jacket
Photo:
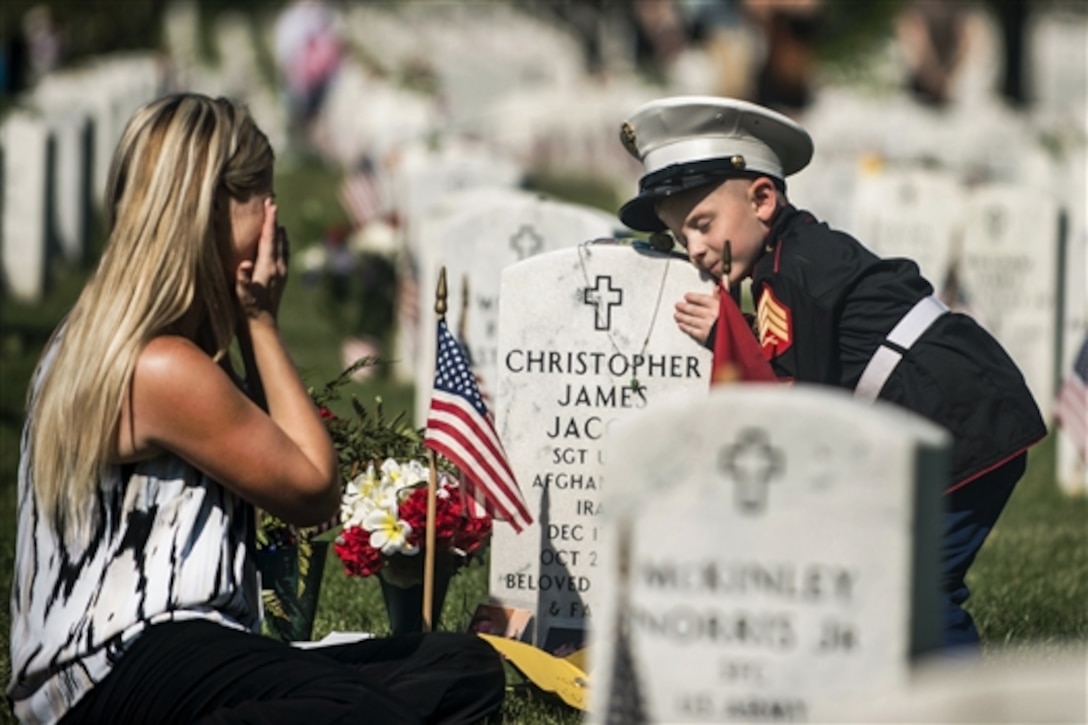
(825, 303)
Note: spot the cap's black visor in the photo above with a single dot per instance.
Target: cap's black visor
(639, 213)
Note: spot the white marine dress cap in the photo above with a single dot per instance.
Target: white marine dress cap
(685, 142)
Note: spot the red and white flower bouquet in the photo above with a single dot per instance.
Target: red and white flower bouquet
(384, 516)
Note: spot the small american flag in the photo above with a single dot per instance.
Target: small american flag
(459, 427)
(480, 384)
(408, 301)
(462, 339)
(1072, 406)
(363, 195)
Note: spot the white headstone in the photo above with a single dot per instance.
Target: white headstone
(1057, 55)
(24, 141)
(586, 339)
(910, 212)
(70, 184)
(111, 88)
(69, 181)
(474, 246)
(420, 178)
(826, 188)
(767, 552)
(1009, 273)
(424, 173)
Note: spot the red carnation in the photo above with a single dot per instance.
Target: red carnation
(472, 533)
(354, 549)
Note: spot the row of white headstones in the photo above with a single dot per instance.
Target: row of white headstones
(1006, 253)
(56, 145)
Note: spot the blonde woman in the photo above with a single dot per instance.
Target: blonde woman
(135, 597)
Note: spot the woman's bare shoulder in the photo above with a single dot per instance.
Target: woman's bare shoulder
(177, 390)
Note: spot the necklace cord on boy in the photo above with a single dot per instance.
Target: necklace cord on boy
(583, 253)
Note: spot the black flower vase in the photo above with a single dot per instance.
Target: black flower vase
(404, 602)
(298, 598)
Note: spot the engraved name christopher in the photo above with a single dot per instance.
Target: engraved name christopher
(588, 362)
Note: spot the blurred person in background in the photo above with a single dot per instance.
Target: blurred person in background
(933, 37)
(308, 52)
(136, 596)
(790, 28)
(661, 34)
(44, 41)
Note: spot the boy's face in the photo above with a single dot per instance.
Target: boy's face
(736, 212)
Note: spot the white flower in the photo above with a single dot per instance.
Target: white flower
(388, 533)
(364, 494)
(403, 475)
(358, 499)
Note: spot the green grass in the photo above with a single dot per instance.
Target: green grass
(1030, 582)
(1031, 578)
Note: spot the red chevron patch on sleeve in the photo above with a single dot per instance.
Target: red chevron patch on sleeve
(774, 322)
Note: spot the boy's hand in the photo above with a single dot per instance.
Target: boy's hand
(696, 314)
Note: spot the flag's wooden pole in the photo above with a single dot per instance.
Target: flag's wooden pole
(432, 488)
(462, 324)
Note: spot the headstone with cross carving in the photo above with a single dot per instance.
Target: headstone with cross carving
(765, 551)
(474, 245)
(586, 339)
(1011, 267)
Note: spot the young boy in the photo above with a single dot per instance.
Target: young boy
(830, 311)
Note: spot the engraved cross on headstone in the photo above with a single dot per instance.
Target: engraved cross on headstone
(603, 300)
(526, 242)
(751, 462)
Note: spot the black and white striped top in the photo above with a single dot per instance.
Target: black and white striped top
(171, 544)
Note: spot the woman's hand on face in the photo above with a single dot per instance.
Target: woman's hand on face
(259, 282)
(696, 313)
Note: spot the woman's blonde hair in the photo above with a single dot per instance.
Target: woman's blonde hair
(178, 162)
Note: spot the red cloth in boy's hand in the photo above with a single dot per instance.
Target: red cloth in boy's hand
(737, 355)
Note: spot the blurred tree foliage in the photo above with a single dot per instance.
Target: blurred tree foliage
(93, 26)
(851, 29)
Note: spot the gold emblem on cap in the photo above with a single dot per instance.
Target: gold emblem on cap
(627, 138)
(738, 162)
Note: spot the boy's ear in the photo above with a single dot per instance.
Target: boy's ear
(764, 197)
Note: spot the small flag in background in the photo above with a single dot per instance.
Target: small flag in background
(480, 384)
(462, 339)
(737, 354)
(459, 427)
(363, 195)
(407, 299)
(1072, 408)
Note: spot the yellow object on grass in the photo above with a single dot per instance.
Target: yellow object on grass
(551, 674)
